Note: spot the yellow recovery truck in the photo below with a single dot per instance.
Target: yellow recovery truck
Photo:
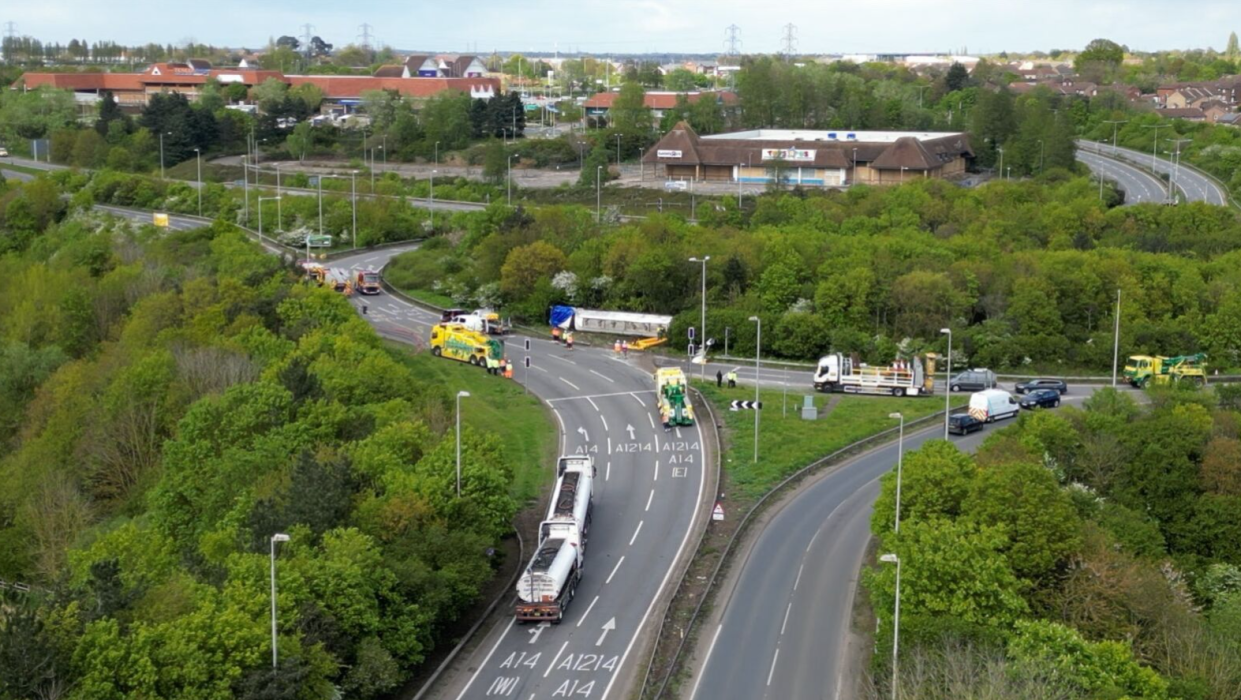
(456, 342)
(1143, 370)
(672, 394)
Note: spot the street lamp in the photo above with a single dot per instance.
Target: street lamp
(431, 198)
(245, 184)
(437, 152)
(896, 616)
(198, 155)
(854, 181)
(460, 395)
(261, 200)
(510, 179)
(1116, 340)
(703, 328)
(758, 346)
(947, 380)
(1042, 150)
(598, 194)
(618, 157)
(161, 153)
(278, 537)
(279, 206)
(353, 195)
(900, 458)
(903, 168)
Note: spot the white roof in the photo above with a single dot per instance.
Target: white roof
(831, 136)
(622, 316)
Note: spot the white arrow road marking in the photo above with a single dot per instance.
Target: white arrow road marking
(607, 627)
(534, 633)
(630, 429)
(585, 435)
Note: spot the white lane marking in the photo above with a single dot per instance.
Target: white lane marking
(588, 609)
(604, 376)
(799, 570)
(562, 359)
(605, 422)
(609, 441)
(543, 371)
(593, 404)
(715, 637)
(604, 396)
(784, 624)
(635, 533)
(772, 672)
(554, 660)
(566, 381)
(483, 665)
(607, 473)
(649, 499)
(693, 519)
(614, 570)
(634, 394)
(678, 433)
(564, 436)
(656, 471)
(652, 420)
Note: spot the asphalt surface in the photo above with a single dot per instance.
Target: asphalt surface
(1139, 185)
(784, 628)
(1196, 186)
(647, 492)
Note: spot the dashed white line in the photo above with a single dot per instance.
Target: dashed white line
(588, 609)
(639, 400)
(592, 403)
(557, 658)
(607, 473)
(784, 624)
(566, 381)
(714, 638)
(635, 533)
(603, 375)
(652, 420)
(562, 359)
(656, 471)
(799, 570)
(486, 659)
(649, 499)
(772, 672)
(605, 422)
(541, 370)
(614, 570)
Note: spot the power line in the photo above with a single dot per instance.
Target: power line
(365, 36)
(732, 40)
(307, 31)
(790, 40)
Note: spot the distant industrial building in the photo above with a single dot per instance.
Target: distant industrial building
(809, 158)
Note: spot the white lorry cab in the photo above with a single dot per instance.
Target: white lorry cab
(992, 405)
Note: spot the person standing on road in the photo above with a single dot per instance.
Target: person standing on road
(616, 347)
(732, 379)
(719, 378)
(568, 340)
(625, 348)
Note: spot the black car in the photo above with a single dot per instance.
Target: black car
(1041, 398)
(1058, 385)
(963, 424)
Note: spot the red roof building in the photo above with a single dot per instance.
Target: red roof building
(657, 102)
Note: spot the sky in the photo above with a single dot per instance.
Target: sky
(638, 26)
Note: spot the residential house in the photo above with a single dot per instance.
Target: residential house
(1214, 109)
(1189, 114)
(659, 102)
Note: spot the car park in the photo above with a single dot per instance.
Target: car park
(1041, 398)
(1057, 385)
(973, 380)
(963, 424)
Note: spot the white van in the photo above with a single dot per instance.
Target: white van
(992, 405)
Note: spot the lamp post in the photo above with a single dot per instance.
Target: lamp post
(758, 348)
(896, 617)
(903, 169)
(319, 182)
(598, 194)
(1000, 150)
(947, 381)
(1115, 123)
(703, 328)
(437, 153)
(1042, 151)
(1116, 340)
(854, 167)
(279, 206)
(460, 395)
(261, 200)
(618, 144)
(161, 154)
(245, 184)
(278, 537)
(431, 196)
(198, 155)
(509, 179)
(353, 195)
(900, 458)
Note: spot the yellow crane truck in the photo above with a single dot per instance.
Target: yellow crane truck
(456, 342)
(1145, 370)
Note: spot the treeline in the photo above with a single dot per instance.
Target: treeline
(169, 400)
(1025, 273)
(1083, 553)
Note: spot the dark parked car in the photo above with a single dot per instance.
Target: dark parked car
(1057, 384)
(963, 424)
(1041, 398)
(973, 380)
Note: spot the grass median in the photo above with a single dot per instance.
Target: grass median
(499, 406)
(787, 443)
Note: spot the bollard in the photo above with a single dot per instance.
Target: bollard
(364, 308)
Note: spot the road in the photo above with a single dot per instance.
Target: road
(1196, 186)
(783, 630)
(647, 503)
(1139, 185)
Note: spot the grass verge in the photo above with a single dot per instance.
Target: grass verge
(23, 169)
(788, 443)
(500, 406)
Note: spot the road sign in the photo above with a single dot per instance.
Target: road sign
(718, 513)
(745, 405)
(691, 332)
(161, 220)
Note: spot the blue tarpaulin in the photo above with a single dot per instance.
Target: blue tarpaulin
(561, 316)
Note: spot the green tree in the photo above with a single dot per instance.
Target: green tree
(957, 78)
(269, 93)
(446, 118)
(595, 168)
(495, 161)
(680, 80)
(299, 140)
(936, 480)
(629, 114)
(1100, 669)
(1100, 60)
(526, 265)
(1232, 52)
